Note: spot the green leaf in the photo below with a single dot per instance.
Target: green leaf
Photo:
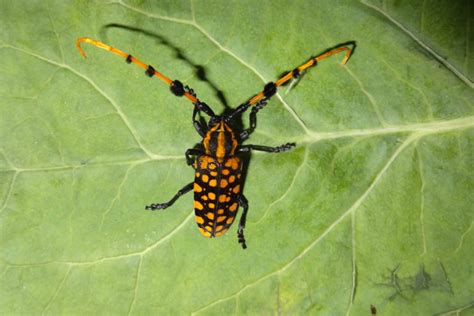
(373, 207)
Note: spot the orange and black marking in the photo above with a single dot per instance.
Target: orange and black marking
(217, 159)
(217, 186)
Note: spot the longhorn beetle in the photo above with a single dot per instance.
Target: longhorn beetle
(217, 162)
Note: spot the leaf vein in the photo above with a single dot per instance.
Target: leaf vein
(9, 191)
(288, 190)
(422, 202)
(354, 266)
(117, 195)
(116, 257)
(409, 84)
(461, 241)
(60, 285)
(137, 276)
(369, 96)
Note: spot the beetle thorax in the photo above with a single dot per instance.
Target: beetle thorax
(220, 141)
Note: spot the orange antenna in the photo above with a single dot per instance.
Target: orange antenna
(270, 88)
(175, 86)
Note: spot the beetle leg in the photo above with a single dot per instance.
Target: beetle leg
(253, 120)
(240, 231)
(159, 206)
(197, 124)
(277, 149)
(192, 152)
(259, 100)
(198, 107)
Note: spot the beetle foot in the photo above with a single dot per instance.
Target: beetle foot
(285, 147)
(154, 207)
(240, 236)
